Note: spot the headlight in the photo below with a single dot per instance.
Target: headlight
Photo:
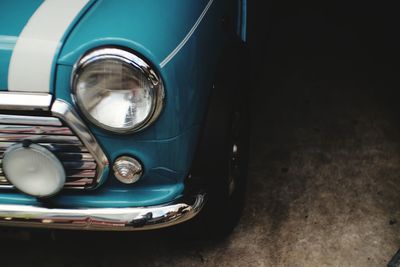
(117, 90)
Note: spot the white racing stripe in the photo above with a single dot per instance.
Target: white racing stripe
(187, 37)
(31, 62)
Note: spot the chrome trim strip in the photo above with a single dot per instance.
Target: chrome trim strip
(65, 112)
(25, 101)
(106, 219)
(187, 37)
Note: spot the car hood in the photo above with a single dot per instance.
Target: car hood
(152, 28)
(13, 18)
(19, 20)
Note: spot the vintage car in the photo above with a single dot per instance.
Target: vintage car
(123, 114)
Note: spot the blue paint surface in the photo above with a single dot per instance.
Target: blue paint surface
(14, 14)
(244, 21)
(151, 28)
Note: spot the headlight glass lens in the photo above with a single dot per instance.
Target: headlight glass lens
(117, 91)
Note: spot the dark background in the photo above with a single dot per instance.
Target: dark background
(324, 174)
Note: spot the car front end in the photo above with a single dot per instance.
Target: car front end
(102, 105)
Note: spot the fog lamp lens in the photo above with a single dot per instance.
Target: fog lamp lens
(33, 170)
(127, 170)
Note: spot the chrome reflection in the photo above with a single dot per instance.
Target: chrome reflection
(72, 142)
(115, 219)
(64, 111)
(117, 90)
(25, 101)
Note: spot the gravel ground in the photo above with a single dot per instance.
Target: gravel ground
(324, 174)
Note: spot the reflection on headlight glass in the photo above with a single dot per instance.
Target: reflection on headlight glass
(114, 93)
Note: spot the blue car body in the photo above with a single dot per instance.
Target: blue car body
(182, 40)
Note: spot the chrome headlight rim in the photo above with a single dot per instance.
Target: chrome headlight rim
(133, 59)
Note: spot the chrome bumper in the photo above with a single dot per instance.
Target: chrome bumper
(107, 219)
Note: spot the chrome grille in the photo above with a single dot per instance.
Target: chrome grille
(50, 132)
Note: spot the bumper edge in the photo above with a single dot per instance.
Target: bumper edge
(105, 219)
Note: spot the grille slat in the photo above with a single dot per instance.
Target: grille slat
(72, 167)
(80, 165)
(69, 156)
(78, 182)
(72, 156)
(40, 138)
(80, 173)
(49, 132)
(29, 120)
(84, 182)
(25, 129)
(54, 147)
